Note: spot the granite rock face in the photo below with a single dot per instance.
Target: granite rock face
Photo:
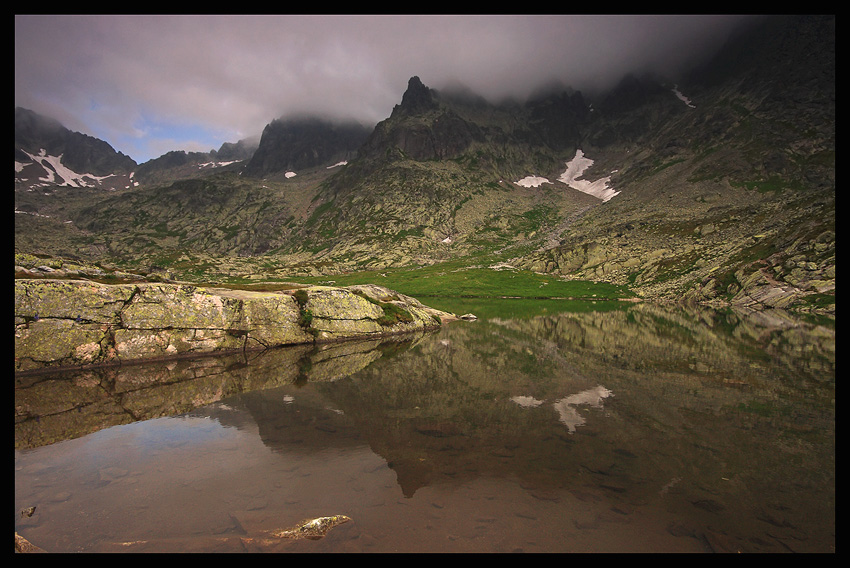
(75, 322)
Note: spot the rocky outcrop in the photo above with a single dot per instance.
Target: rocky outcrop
(76, 322)
(425, 126)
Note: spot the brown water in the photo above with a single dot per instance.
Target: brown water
(635, 429)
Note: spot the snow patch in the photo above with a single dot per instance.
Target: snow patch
(53, 167)
(532, 181)
(572, 177)
(682, 97)
(33, 214)
(336, 165)
(526, 401)
(216, 164)
(290, 174)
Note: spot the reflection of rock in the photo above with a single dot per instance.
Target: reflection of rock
(78, 402)
(490, 385)
(338, 360)
(568, 412)
(649, 337)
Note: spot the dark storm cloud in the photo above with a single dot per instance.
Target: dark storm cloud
(149, 84)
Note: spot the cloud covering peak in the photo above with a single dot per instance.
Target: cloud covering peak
(151, 84)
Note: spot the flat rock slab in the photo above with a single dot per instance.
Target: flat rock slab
(78, 322)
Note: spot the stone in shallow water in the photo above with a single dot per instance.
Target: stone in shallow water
(313, 529)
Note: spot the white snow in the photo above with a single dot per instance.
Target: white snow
(532, 181)
(337, 165)
(682, 97)
(572, 177)
(290, 174)
(33, 214)
(70, 177)
(216, 164)
(526, 401)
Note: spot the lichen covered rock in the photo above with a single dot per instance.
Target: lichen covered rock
(74, 322)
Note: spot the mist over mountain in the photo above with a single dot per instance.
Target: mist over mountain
(292, 144)
(716, 187)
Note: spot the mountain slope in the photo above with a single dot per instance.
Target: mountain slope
(735, 188)
(717, 188)
(435, 180)
(48, 154)
(289, 145)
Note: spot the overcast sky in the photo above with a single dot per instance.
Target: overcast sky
(151, 84)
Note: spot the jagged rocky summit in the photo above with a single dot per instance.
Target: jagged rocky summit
(75, 322)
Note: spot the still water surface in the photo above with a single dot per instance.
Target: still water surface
(541, 427)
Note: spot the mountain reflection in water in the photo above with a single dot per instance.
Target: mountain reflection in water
(579, 428)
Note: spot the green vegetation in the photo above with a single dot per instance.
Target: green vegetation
(393, 314)
(522, 308)
(455, 279)
(301, 297)
(306, 316)
(773, 184)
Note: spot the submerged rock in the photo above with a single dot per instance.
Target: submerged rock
(75, 322)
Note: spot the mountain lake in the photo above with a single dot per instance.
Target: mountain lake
(542, 426)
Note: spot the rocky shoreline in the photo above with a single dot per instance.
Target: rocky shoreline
(72, 323)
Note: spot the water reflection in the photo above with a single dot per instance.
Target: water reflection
(55, 407)
(567, 407)
(613, 428)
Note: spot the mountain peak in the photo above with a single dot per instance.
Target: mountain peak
(416, 99)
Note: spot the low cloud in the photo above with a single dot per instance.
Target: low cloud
(145, 83)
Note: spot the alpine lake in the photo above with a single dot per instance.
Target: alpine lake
(541, 426)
